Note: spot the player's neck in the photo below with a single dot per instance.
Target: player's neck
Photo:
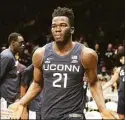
(63, 49)
(12, 50)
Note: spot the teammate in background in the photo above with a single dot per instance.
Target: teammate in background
(59, 68)
(119, 75)
(9, 81)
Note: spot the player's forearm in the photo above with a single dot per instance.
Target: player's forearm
(114, 78)
(23, 90)
(108, 84)
(97, 94)
(32, 92)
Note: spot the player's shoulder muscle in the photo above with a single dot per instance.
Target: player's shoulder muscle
(89, 57)
(38, 56)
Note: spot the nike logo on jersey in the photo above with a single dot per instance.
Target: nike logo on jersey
(74, 61)
(49, 58)
(47, 61)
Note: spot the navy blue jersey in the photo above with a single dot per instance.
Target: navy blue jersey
(9, 81)
(63, 83)
(121, 92)
(122, 82)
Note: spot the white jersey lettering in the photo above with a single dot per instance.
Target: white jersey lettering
(61, 67)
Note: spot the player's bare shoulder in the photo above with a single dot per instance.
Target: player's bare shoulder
(89, 56)
(38, 56)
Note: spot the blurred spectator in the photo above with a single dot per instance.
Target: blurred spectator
(109, 57)
(34, 45)
(103, 76)
(25, 57)
(109, 52)
(82, 40)
(3, 47)
(97, 50)
(120, 49)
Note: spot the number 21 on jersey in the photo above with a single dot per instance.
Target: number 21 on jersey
(61, 76)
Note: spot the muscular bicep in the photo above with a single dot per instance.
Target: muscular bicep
(91, 74)
(38, 76)
(37, 62)
(89, 60)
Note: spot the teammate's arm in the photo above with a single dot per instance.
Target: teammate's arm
(23, 90)
(114, 78)
(89, 61)
(26, 78)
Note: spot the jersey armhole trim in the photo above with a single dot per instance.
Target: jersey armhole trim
(81, 56)
(41, 63)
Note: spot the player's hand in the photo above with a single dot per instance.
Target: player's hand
(17, 109)
(108, 114)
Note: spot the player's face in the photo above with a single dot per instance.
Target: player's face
(19, 44)
(61, 29)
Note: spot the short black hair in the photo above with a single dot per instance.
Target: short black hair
(120, 54)
(63, 11)
(13, 37)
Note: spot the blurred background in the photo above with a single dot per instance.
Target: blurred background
(99, 24)
(96, 20)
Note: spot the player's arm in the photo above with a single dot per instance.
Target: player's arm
(114, 78)
(25, 79)
(24, 86)
(89, 61)
(37, 83)
(23, 90)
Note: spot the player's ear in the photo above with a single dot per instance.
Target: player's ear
(72, 30)
(13, 43)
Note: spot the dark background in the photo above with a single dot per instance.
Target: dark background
(32, 18)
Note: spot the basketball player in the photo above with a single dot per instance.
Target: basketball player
(9, 82)
(59, 68)
(119, 75)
